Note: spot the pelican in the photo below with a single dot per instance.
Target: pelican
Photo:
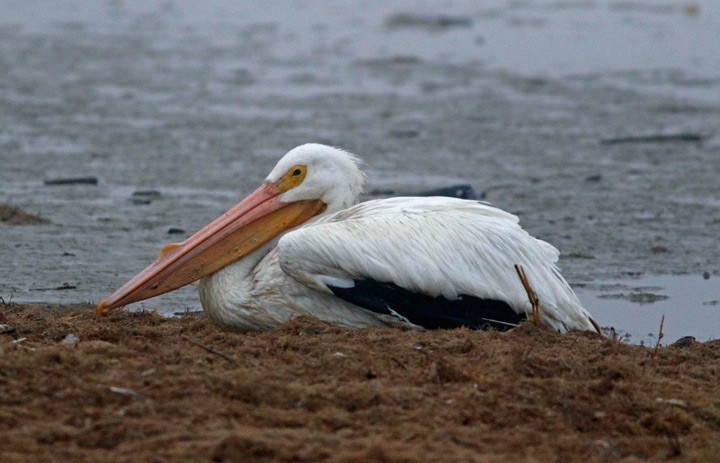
(301, 245)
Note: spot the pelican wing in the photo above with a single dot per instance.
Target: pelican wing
(427, 260)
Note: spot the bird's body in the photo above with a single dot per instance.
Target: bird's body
(428, 262)
(439, 247)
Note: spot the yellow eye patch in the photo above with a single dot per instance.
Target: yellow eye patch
(292, 178)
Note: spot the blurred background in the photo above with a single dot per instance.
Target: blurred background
(597, 122)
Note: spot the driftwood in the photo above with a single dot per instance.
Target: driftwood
(679, 137)
(72, 181)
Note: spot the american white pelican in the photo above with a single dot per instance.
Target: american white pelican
(300, 245)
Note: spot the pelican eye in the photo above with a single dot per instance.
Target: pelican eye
(293, 177)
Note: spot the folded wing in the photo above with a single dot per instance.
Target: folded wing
(432, 262)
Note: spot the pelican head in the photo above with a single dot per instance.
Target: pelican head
(319, 172)
(308, 181)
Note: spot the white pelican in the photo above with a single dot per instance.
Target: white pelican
(300, 245)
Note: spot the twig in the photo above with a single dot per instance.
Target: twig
(532, 295)
(9, 301)
(210, 349)
(399, 363)
(659, 338)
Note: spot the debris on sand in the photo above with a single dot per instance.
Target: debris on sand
(15, 216)
(428, 22)
(72, 181)
(7, 329)
(669, 138)
(462, 191)
(153, 388)
(128, 392)
(62, 287)
(147, 193)
(71, 339)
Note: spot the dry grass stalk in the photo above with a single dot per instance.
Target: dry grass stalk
(532, 295)
(659, 338)
(597, 327)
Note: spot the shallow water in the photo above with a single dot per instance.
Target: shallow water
(636, 307)
(198, 99)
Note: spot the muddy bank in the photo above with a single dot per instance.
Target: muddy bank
(596, 124)
(138, 387)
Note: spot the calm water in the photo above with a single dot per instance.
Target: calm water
(635, 307)
(197, 100)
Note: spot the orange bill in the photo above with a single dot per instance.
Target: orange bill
(246, 227)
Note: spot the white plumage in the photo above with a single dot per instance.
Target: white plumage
(437, 246)
(433, 246)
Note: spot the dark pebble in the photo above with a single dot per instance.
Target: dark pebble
(175, 231)
(410, 20)
(65, 286)
(659, 249)
(686, 341)
(593, 178)
(377, 192)
(404, 133)
(455, 191)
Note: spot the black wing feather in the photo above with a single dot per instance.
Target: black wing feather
(427, 311)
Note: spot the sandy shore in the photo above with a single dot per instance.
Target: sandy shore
(138, 387)
(125, 125)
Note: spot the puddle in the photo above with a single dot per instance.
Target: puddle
(634, 308)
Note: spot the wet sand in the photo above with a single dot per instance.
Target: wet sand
(139, 387)
(596, 123)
